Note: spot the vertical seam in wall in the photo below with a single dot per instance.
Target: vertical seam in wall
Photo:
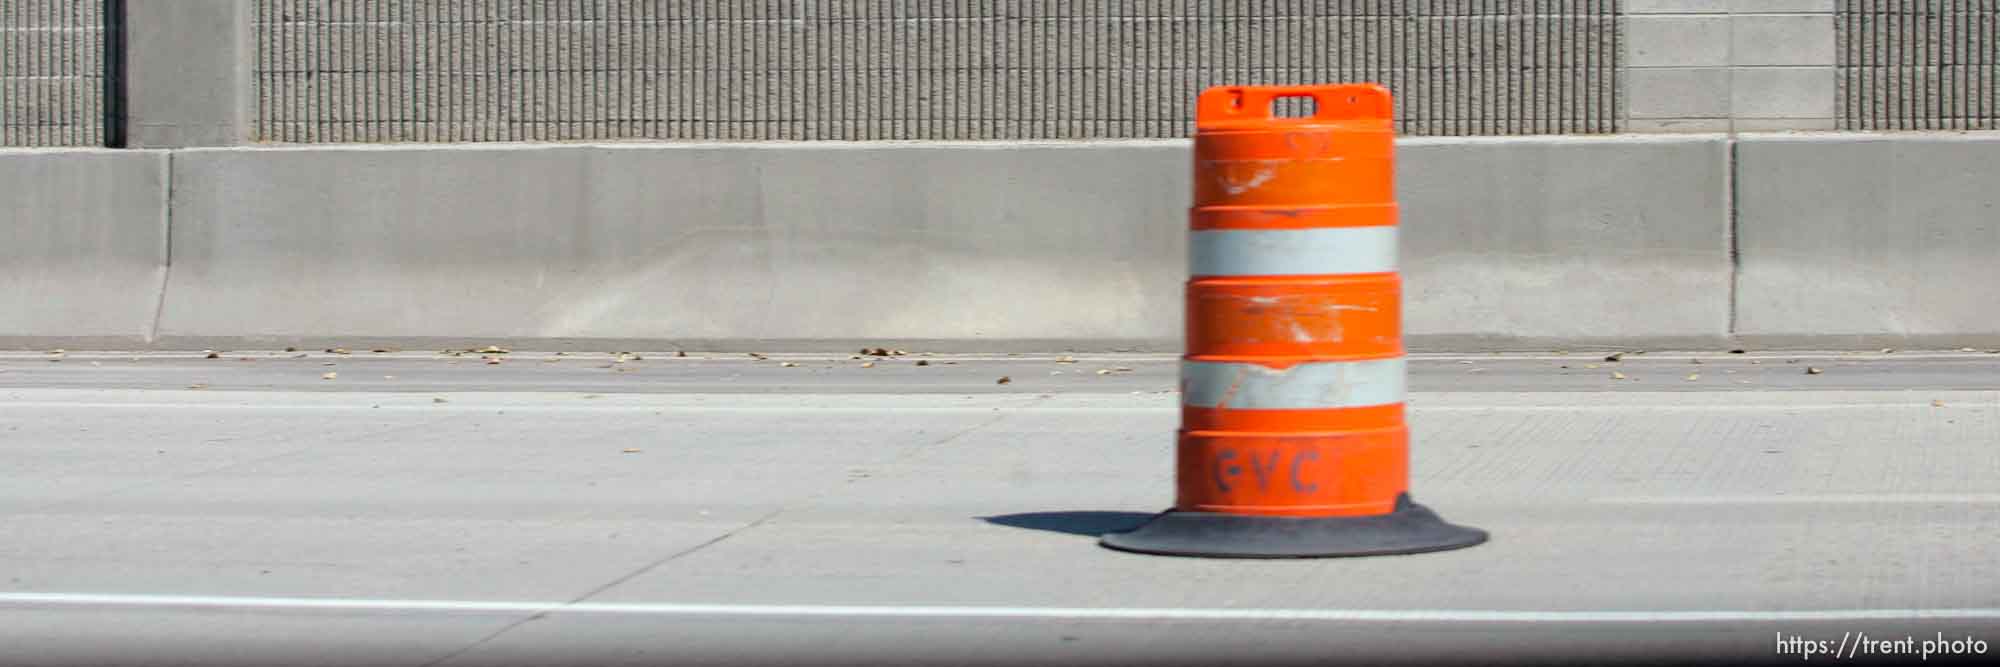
(1729, 196)
(167, 224)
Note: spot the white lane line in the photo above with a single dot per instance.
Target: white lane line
(91, 600)
(1841, 499)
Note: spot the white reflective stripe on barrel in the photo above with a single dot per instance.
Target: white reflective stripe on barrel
(1292, 252)
(1311, 385)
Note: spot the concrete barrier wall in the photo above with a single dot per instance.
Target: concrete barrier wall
(1509, 244)
(1553, 242)
(759, 246)
(83, 247)
(974, 246)
(1889, 239)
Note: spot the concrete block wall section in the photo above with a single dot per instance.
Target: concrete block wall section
(227, 72)
(51, 73)
(1729, 65)
(189, 66)
(83, 246)
(840, 70)
(1919, 64)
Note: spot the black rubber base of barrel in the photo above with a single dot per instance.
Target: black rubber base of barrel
(1410, 529)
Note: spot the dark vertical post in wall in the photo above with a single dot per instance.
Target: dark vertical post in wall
(114, 73)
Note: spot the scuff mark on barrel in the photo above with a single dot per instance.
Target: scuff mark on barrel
(1235, 385)
(1256, 181)
(1340, 389)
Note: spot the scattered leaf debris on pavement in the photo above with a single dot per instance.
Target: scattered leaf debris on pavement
(1003, 380)
(211, 354)
(868, 364)
(1813, 370)
(1615, 375)
(329, 376)
(788, 364)
(921, 362)
(1615, 356)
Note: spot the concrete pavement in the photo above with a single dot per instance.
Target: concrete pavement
(428, 509)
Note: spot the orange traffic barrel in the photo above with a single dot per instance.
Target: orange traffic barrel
(1292, 440)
